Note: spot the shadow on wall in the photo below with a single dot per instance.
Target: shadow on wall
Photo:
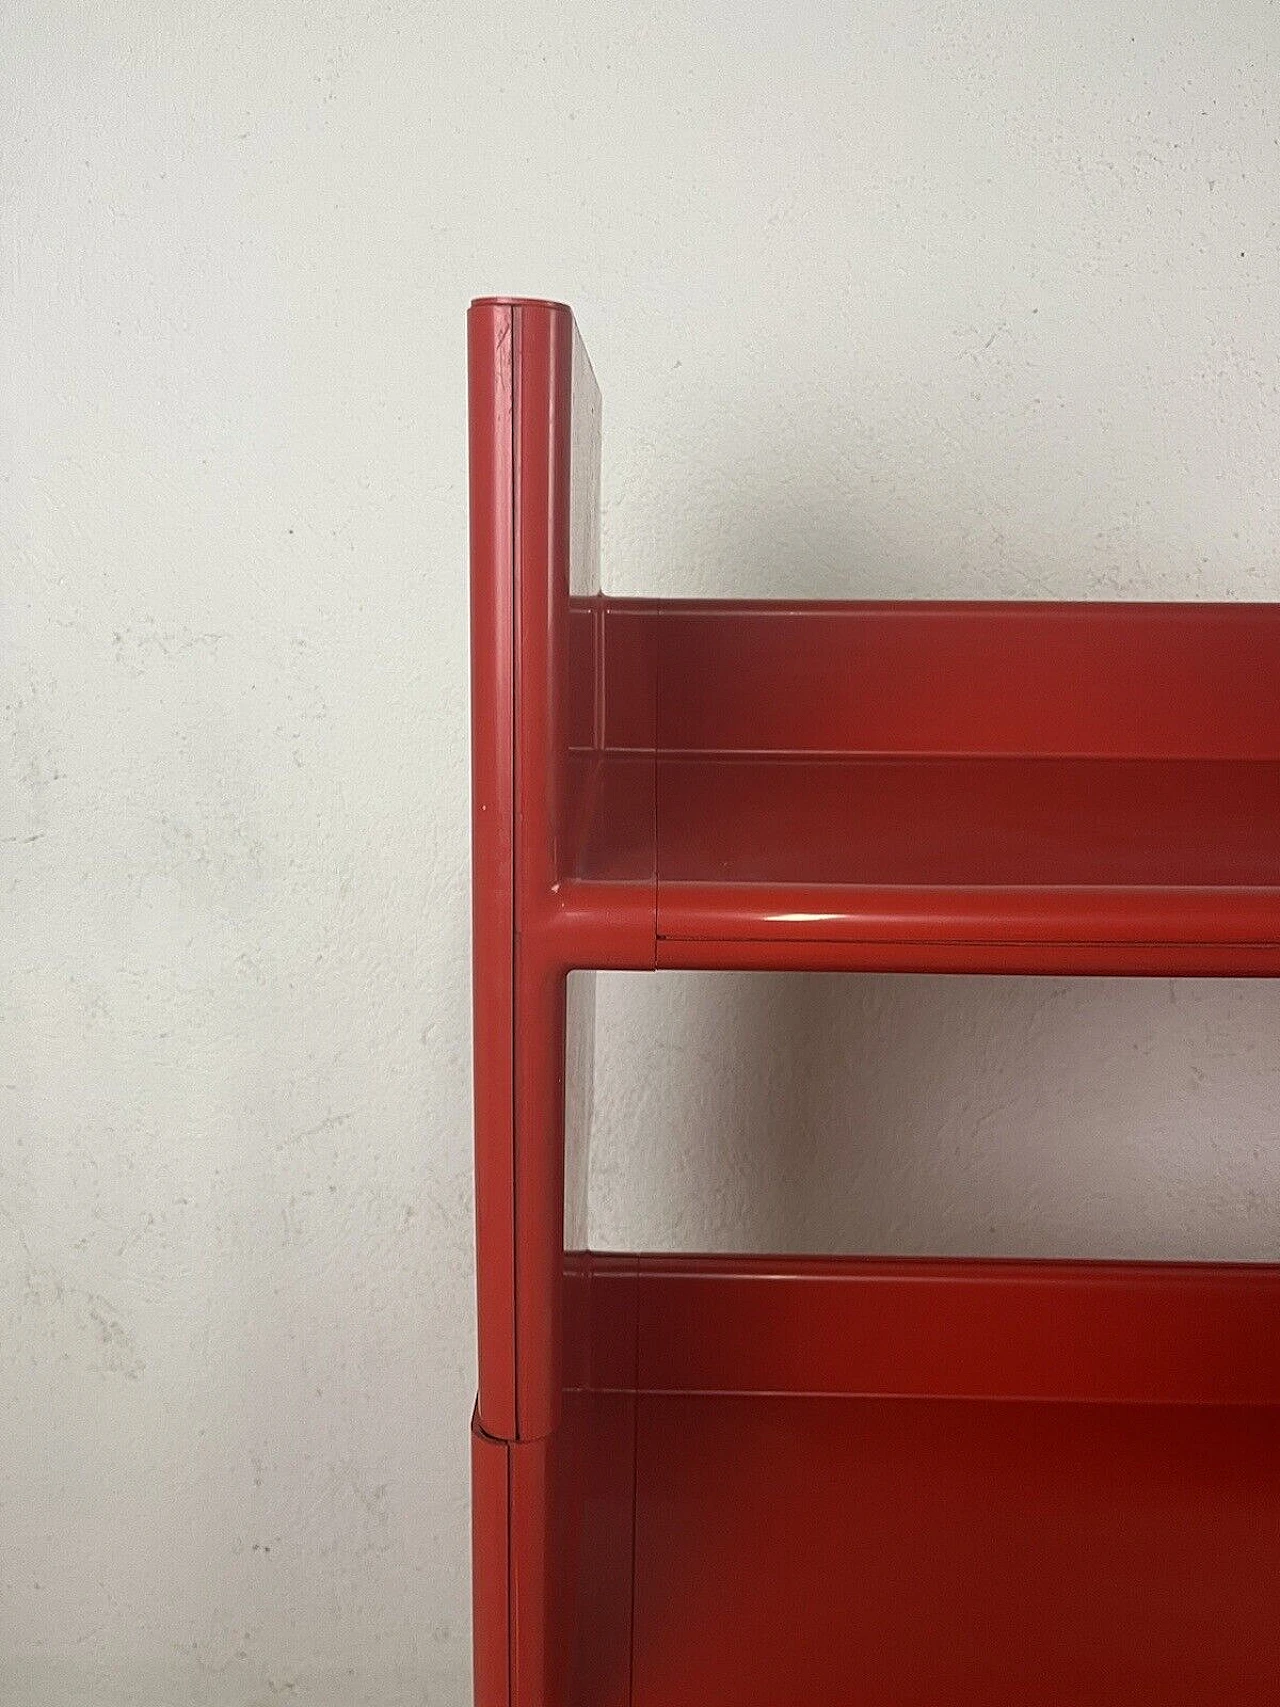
(833, 1113)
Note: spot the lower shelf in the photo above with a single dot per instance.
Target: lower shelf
(907, 1553)
(1115, 1539)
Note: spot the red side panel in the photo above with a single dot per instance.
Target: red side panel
(490, 338)
(490, 1569)
(544, 402)
(538, 736)
(537, 629)
(542, 509)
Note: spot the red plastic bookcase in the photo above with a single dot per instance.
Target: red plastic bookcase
(762, 1482)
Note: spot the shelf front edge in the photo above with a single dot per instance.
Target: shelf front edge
(1087, 1332)
(1200, 932)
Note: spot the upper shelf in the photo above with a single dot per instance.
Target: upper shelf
(987, 786)
(1056, 787)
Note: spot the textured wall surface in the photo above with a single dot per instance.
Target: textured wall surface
(966, 1116)
(894, 299)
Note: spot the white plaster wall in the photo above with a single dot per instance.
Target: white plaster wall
(931, 1116)
(894, 299)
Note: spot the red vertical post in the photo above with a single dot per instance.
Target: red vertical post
(491, 369)
(520, 363)
(521, 402)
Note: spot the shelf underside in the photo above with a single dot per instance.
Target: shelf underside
(1110, 1535)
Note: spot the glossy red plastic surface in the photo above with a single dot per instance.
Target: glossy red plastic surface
(538, 632)
(892, 784)
(913, 1482)
(1104, 1333)
(778, 1481)
(912, 1552)
(492, 841)
(491, 1566)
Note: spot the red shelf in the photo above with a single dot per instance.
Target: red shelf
(780, 825)
(911, 1552)
(730, 1482)
(1049, 788)
(875, 1525)
(856, 855)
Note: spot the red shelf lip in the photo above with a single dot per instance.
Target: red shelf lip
(1033, 610)
(974, 959)
(867, 757)
(1033, 914)
(1230, 932)
(1046, 924)
(1065, 1331)
(1020, 1270)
